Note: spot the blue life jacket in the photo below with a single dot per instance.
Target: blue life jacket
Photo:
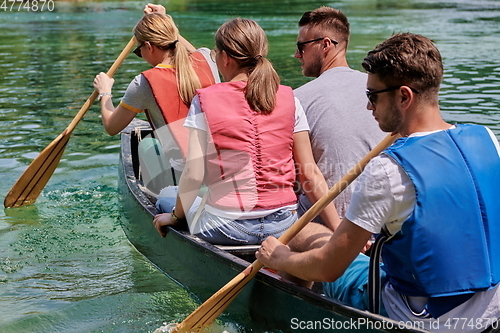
(449, 247)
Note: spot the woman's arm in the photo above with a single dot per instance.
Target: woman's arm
(190, 182)
(194, 172)
(113, 120)
(310, 177)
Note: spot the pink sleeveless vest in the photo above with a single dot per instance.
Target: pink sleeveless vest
(249, 157)
(164, 87)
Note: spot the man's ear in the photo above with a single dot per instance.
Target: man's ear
(407, 96)
(327, 43)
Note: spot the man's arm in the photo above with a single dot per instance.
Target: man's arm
(326, 263)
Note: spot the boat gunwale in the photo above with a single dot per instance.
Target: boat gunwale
(263, 276)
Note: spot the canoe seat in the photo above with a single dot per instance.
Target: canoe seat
(230, 248)
(246, 252)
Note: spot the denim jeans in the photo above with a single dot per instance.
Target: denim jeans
(166, 199)
(223, 231)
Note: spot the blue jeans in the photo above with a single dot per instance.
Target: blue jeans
(352, 287)
(223, 231)
(166, 199)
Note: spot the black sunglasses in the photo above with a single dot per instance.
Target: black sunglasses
(300, 45)
(137, 50)
(372, 95)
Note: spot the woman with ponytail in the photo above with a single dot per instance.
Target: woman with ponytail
(163, 92)
(244, 136)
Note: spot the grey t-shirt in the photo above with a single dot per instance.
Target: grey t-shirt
(342, 130)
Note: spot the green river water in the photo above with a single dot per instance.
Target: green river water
(65, 263)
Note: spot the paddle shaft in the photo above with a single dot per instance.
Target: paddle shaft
(217, 303)
(111, 72)
(31, 183)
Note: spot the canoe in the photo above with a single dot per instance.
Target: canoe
(267, 303)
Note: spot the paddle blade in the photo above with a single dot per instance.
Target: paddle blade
(31, 183)
(218, 302)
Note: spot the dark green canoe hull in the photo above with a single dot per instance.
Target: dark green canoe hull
(265, 304)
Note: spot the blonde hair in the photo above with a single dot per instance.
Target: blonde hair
(160, 31)
(245, 41)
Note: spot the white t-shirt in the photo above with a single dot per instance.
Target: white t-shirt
(384, 194)
(196, 119)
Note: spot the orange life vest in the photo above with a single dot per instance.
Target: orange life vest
(166, 93)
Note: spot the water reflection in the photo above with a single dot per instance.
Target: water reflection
(66, 263)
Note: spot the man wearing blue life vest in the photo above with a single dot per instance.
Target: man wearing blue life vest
(431, 197)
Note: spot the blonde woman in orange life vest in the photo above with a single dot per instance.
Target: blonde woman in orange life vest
(248, 135)
(163, 92)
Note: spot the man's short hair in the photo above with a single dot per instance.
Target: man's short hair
(327, 19)
(406, 59)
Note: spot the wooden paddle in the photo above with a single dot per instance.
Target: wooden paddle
(205, 314)
(31, 183)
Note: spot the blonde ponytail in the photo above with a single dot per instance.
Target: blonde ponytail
(262, 86)
(160, 31)
(187, 80)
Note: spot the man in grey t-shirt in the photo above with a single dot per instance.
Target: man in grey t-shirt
(342, 129)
